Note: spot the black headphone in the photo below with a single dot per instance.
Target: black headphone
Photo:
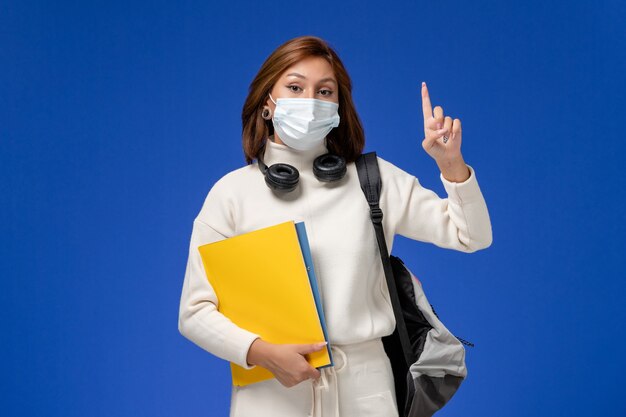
(284, 177)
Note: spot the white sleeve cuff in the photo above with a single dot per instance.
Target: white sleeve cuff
(465, 191)
(245, 340)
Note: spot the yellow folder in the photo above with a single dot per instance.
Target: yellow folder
(263, 285)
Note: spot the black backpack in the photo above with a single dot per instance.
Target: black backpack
(428, 361)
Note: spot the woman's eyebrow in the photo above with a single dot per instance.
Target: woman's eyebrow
(295, 74)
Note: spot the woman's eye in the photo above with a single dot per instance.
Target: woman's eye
(326, 92)
(293, 88)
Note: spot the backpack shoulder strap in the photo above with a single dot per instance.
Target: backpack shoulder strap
(369, 176)
(371, 184)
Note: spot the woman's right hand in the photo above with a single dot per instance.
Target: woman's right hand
(286, 362)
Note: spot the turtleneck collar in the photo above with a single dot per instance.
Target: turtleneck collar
(277, 153)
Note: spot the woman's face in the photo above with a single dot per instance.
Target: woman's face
(312, 77)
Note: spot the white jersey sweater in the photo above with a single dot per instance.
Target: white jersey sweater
(342, 239)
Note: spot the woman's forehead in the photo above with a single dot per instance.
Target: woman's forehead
(311, 67)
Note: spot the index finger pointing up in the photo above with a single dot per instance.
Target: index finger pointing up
(427, 108)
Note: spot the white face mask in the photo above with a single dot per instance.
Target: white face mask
(303, 123)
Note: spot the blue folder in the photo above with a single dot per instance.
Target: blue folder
(308, 261)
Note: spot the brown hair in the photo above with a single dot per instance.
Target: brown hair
(346, 140)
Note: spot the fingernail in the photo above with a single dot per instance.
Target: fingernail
(423, 83)
(439, 125)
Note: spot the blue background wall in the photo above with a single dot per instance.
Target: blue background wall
(117, 117)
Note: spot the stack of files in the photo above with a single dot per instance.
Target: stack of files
(265, 283)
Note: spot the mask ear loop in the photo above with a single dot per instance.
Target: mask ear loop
(267, 113)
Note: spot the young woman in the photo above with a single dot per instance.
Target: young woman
(299, 107)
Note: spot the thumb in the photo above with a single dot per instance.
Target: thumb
(310, 348)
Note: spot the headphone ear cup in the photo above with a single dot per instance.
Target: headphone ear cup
(282, 177)
(329, 167)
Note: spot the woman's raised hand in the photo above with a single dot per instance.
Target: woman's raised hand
(442, 140)
(286, 362)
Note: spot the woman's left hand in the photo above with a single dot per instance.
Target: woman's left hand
(442, 140)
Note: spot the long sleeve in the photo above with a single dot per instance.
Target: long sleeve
(460, 221)
(199, 320)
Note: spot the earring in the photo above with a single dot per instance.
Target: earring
(267, 113)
